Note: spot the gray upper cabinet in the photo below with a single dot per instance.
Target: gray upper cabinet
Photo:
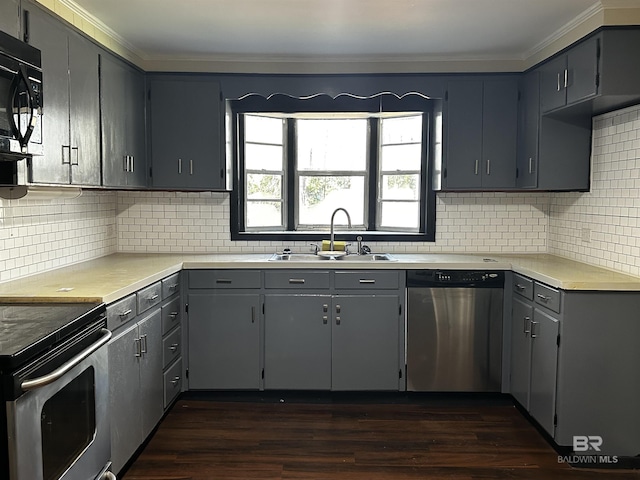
(186, 138)
(481, 134)
(122, 101)
(71, 111)
(10, 17)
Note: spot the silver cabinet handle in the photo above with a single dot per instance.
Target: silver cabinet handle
(174, 286)
(526, 325)
(223, 280)
(533, 333)
(173, 315)
(125, 161)
(179, 165)
(66, 155)
(138, 343)
(143, 339)
(297, 281)
(174, 347)
(325, 319)
(338, 320)
(190, 167)
(133, 159)
(369, 281)
(337, 308)
(488, 166)
(477, 166)
(152, 297)
(253, 314)
(325, 308)
(530, 165)
(60, 371)
(125, 314)
(520, 288)
(543, 298)
(175, 381)
(566, 77)
(75, 154)
(558, 81)
(109, 476)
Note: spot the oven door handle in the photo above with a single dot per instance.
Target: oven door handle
(59, 372)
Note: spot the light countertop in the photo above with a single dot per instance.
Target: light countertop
(110, 278)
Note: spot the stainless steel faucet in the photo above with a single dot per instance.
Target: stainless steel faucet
(332, 237)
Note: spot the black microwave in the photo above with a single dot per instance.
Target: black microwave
(20, 99)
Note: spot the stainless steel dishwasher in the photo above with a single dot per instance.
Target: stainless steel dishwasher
(454, 330)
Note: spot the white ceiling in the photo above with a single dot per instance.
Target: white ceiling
(303, 30)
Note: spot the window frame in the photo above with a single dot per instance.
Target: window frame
(324, 104)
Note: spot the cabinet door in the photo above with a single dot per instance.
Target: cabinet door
(136, 142)
(544, 364)
(224, 341)
(582, 70)
(84, 111)
(151, 399)
(124, 388)
(464, 134)
(522, 315)
(9, 17)
(499, 133)
(552, 80)
(364, 346)
(50, 37)
(527, 165)
(297, 342)
(114, 126)
(186, 133)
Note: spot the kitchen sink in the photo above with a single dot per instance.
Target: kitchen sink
(310, 257)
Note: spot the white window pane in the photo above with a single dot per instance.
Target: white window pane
(332, 145)
(400, 187)
(402, 130)
(319, 196)
(259, 129)
(263, 157)
(264, 214)
(264, 186)
(400, 215)
(401, 157)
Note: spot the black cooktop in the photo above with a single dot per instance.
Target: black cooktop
(27, 330)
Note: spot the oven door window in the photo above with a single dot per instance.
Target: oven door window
(68, 424)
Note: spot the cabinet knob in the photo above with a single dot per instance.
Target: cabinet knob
(325, 319)
(337, 308)
(338, 320)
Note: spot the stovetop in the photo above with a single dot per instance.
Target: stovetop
(29, 329)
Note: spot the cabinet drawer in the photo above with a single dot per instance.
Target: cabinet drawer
(149, 297)
(547, 296)
(171, 347)
(298, 279)
(224, 279)
(171, 285)
(523, 286)
(170, 315)
(367, 280)
(120, 312)
(172, 380)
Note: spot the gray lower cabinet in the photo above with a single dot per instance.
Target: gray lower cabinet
(186, 132)
(71, 112)
(224, 340)
(521, 351)
(10, 17)
(135, 379)
(297, 341)
(122, 107)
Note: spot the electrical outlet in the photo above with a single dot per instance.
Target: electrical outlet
(586, 235)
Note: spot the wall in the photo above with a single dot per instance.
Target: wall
(40, 235)
(602, 227)
(199, 222)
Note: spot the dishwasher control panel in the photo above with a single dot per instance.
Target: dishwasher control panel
(453, 278)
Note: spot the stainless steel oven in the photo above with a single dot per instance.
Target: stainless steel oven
(56, 404)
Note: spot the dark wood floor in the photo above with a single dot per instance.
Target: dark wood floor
(203, 439)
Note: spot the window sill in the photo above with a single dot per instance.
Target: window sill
(342, 236)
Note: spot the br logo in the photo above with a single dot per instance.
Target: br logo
(584, 443)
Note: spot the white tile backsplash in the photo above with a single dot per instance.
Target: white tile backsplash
(602, 226)
(40, 235)
(199, 222)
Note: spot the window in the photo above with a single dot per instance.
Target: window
(297, 161)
